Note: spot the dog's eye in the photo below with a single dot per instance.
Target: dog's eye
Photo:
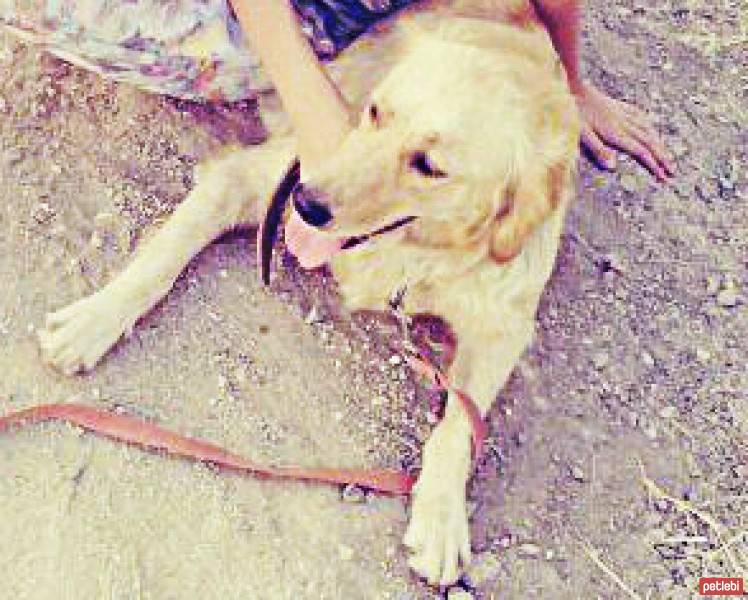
(421, 163)
(374, 113)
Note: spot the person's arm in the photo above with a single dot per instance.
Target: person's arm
(562, 19)
(606, 123)
(317, 110)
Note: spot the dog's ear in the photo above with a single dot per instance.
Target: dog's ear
(542, 177)
(524, 206)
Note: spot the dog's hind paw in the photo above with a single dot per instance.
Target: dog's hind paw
(77, 336)
(438, 534)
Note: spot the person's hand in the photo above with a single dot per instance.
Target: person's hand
(609, 124)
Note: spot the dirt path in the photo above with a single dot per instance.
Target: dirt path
(640, 361)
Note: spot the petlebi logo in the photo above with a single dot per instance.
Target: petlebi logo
(721, 586)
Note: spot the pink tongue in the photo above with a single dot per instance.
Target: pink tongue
(312, 248)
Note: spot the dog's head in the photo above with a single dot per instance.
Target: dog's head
(470, 140)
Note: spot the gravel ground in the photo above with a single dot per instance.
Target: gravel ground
(617, 463)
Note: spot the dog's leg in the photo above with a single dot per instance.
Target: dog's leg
(438, 533)
(228, 193)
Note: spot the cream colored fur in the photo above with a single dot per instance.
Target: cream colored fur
(487, 103)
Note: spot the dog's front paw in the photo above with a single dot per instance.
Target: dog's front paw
(438, 534)
(77, 336)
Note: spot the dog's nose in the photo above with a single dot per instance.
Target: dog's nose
(310, 209)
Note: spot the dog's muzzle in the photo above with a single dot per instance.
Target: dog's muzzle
(311, 209)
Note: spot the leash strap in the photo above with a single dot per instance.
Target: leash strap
(150, 437)
(438, 380)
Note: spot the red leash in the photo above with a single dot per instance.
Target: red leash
(145, 435)
(479, 430)
(150, 437)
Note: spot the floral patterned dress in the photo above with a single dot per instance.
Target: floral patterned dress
(190, 49)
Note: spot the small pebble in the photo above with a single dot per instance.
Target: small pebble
(690, 493)
(599, 181)
(43, 213)
(345, 552)
(395, 360)
(703, 355)
(96, 242)
(577, 473)
(725, 184)
(712, 285)
(728, 297)
(223, 382)
(314, 316)
(668, 412)
(629, 183)
(679, 148)
(600, 360)
(528, 550)
(611, 262)
(707, 190)
(432, 418)
(648, 359)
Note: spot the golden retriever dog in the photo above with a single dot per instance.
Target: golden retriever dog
(463, 162)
